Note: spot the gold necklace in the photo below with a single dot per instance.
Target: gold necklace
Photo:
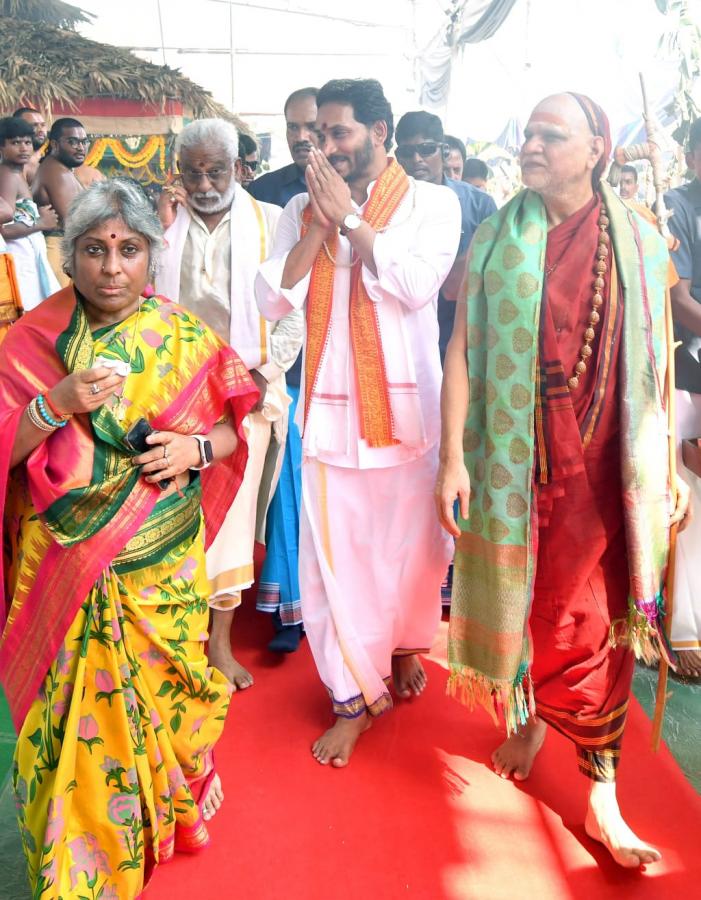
(600, 270)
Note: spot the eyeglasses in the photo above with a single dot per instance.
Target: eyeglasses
(77, 142)
(424, 149)
(190, 177)
(251, 164)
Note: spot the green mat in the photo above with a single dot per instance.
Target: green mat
(682, 725)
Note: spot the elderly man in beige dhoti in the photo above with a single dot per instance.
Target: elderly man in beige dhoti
(217, 235)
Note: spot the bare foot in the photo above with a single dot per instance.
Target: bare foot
(336, 745)
(221, 657)
(213, 800)
(515, 756)
(604, 823)
(689, 662)
(409, 676)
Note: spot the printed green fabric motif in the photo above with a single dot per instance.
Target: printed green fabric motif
(488, 646)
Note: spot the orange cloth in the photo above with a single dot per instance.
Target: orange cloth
(646, 213)
(10, 302)
(376, 424)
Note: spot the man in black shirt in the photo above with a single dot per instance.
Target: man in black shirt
(283, 184)
(421, 151)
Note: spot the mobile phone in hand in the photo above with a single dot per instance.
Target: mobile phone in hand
(135, 439)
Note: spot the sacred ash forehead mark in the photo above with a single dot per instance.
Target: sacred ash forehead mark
(541, 115)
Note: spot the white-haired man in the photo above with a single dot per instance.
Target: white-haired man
(217, 235)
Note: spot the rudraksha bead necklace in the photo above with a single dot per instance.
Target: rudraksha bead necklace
(600, 270)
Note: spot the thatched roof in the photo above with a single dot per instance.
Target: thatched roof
(50, 12)
(41, 64)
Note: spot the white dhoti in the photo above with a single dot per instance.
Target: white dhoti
(372, 559)
(230, 556)
(686, 617)
(34, 274)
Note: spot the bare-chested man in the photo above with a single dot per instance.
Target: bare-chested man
(24, 233)
(36, 120)
(61, 176)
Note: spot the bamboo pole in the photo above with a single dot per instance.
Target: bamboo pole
(661, 694)
(655, 157)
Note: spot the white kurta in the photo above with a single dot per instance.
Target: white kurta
(372, 554)
(212, 274)
(412, 257)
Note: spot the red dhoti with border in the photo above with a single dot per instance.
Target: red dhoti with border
(581, 681)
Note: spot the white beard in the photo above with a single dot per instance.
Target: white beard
(214, 201)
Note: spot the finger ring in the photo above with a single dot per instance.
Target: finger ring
(94, 389)
(165, 452)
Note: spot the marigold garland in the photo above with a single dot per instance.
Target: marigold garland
(141, 157)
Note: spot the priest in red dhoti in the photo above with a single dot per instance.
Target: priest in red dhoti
(553, 403)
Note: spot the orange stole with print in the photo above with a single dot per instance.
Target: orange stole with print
(376, 424)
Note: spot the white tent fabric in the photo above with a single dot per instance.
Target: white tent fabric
(470, 22)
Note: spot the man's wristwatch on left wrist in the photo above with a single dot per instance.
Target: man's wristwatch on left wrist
(206, 452)
(350, 223)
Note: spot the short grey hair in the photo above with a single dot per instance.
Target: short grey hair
(209, 133)
(118, 198)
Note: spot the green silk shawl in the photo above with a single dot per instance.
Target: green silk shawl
(488, 648)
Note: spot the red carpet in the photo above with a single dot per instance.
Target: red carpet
(418, 813)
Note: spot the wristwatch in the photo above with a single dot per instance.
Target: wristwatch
(350, 223)
(206, 453)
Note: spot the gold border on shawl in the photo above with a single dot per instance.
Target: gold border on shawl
(235, 579)
(324, 515)
(263, 254)
(509, 555)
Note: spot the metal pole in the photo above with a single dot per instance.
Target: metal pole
(231, 53)
(160, 28)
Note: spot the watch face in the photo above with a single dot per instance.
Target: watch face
(208, 454)
(351, 222)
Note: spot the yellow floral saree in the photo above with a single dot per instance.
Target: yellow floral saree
(102, 655)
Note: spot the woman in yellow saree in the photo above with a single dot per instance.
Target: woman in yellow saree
(102, 653)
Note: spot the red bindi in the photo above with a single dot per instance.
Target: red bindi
(113, 236)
